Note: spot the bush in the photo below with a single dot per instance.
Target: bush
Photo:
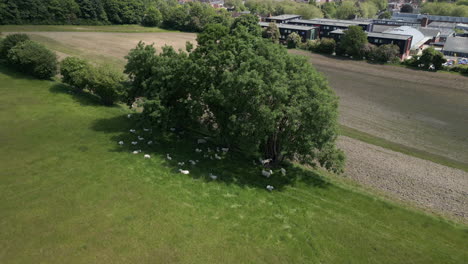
(33, 58)
(106, 83)
(432, 59)
(152, 18)
(369, 51)
(412, 62)
(387, 52)
(459, 68)
(293, 40)
(10, 41)
(75, 72)
(326, 46)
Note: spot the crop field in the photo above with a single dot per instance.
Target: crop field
(424, 110)
(70, 194)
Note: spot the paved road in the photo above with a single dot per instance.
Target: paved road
(424, 110)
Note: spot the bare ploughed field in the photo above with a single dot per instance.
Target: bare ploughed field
(424, 110)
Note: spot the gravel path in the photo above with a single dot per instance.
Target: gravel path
(423, 183)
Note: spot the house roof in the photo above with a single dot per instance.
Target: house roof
(456, 44)
(418, 36)
(328, 22)
(378, 35)
(288, 26)
(283, 17)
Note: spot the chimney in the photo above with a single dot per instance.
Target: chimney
(424, 22)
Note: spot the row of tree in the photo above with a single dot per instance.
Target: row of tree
(242, 89)
(459, 9)
(192, 16)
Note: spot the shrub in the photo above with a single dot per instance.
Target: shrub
(10, 41)
(152, 18)
(106, 83)
(33, 58)
(413, 61)
(459, 68)
(432, 58)
(387, 52)
(75, 72)
(293, 40)
(326, 46)
(369, 51)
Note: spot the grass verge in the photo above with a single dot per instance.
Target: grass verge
(368, 138)
(70, 194)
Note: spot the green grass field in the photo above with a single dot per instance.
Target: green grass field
(79, 28)
(70, 194)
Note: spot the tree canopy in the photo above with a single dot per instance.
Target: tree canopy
(353, 41)
(245, 91)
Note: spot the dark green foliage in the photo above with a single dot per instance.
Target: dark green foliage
(353, 41)
(432, 59)
(458, 68)
(245, 91)
(407, 8)
(386, 53)
(326, 46)
(293, 40)
(75, 72)
(385, 15)
(9, 42)
(152, 18)
(107, 83)
(329, 9)
(33, 58)
(413, 61)
(445, 9)
(272, 32)
(249, 22)
(369, 51)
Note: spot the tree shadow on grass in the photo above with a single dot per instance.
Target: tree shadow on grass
(234, 167)
(82, 97)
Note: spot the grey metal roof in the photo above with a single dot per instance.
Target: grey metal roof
(429, 32)
(328, 22)
(382, 28)
(418, 36)
(456, 44)
(442, 24)
(378, 35)
(283, 17)
(288, 26)
(444, 32)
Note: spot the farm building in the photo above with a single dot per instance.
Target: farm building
(282, 18)
(326, 26)
(306, 32)
(402, 41)
(456, 46)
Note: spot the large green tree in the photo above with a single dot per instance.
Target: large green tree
(246, 91)
(272, 32)
(353, 41)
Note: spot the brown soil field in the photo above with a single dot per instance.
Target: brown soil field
(423, 110)
(107, 47)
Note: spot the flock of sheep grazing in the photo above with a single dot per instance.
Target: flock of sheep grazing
(213, 154)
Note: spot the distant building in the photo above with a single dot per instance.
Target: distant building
(306, 32)
(418, 38)
(282, 18)
(328, 25)
(402, 41)
(456, 46)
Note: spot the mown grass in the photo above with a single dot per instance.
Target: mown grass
(70, 194)
(365, 137)
(79, 28)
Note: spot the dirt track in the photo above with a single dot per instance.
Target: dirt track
(424, 110)
(423, 183)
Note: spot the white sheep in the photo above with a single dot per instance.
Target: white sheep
(134, 142)
(283, 171)
(129, 116)
(264, 162)
(212, 176)
(192, 162)
(270, 188)
(201, 141)
(135, 152)
(217, 149)
(172, 129)
(150, 142)
(267, 173)
(145, 129)
(225, 150)
(140, 138)
(121, 142)
(132, 130)
(209, 150)
(184, 171)
(168, 157)
(181, 163)
(198, 150)
(217, 157)
(147, 156)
